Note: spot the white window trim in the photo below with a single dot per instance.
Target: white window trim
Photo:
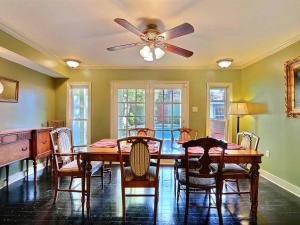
(68, 116)
(229, 97)
(115, 84)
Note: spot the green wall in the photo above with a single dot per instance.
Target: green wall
(263, 82)
(101, 80)
(36, 100)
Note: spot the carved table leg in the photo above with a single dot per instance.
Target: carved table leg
(7, 175)
(254, 174)
(88, 173)
(83, 191)
(34, 174)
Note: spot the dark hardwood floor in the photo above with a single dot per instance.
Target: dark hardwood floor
(20, 205)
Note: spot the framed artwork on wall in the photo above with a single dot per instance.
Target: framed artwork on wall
(292, 84)
(9, 90)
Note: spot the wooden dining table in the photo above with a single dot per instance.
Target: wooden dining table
(170, 150)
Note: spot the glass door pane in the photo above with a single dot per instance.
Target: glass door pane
(167, 113)
(131, 110)
(79, 113)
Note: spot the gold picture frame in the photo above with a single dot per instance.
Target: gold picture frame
(292, 85)
(9, 90)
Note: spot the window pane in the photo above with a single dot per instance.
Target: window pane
(140, 109)
(131, 95)
(168, 95)
(176, 109)
(122, 121)
(217, 103)
(177, 95)
(176, 122)
(122, 133)
(140, 95)
(79, 103)
(122, 109)
(168, 110)
(140, 122)
(122, 95)
(217, 129)
(158, 95)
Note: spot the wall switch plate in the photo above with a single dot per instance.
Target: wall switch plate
(267, 153)
(194, 109)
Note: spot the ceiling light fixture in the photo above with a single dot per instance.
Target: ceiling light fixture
(224, 63)
(147, 53)
(72, 63)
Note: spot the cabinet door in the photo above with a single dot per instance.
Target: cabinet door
(43, 145)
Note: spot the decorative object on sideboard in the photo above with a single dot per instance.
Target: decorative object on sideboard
(9, 90)
(238, 109)
(292, 87)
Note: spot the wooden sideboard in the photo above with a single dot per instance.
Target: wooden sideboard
(24, 144)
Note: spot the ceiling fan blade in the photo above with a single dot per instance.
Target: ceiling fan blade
(177, 50)
(119, 47)
(124, 23)
(178, 31)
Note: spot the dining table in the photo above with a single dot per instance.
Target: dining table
(107, 150)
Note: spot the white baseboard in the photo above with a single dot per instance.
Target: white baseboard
(281, 183)
(20, 175)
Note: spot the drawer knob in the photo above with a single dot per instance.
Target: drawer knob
(44, 142)
(24, 149)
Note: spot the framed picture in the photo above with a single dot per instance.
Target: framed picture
(292, 84)
(9, 90)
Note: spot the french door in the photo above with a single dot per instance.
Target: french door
(78, 112)
(162, 106)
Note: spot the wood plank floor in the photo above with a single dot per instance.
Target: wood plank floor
(20, 205)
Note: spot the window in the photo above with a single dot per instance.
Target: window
(217, 103)
(78, 112)
(158, 105)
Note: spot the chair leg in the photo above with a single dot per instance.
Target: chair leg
(209, 197)
(238, 186)
(110, 171)
(175, 180)
(102, 177)
(47, 160)
(27, 162)
(187, 204)
(70, 185)
(57, 181)
(178, 191)
(155, 204)
(219, 201)
(123, 205)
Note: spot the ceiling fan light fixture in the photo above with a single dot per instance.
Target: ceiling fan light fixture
(145, 52)
(224, 63)
(72, 63)
(159, 53)
(1, 88)
(149, 58)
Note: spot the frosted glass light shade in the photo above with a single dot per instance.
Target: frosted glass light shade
(238, 108)
(145, 52)
(72, 63)
(224, 63)
(159, 53)
(1, 88)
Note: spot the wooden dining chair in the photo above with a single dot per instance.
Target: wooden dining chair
(136, 171)
(141, 132)
(233, 172)
(184, 134)
(200, 176)
(67, 161)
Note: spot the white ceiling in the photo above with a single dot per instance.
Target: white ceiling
(83, 29)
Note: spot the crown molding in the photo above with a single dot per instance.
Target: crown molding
(24, 39)
(272, 51)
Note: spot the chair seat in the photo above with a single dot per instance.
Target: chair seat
(196, 181)
(73, 167)
(234, 168)
(150, 176)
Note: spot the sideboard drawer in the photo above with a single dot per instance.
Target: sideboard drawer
(43, 142)
(14, 151)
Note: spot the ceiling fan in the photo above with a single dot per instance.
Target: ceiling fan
(153, 41)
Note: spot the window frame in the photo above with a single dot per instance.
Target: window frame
(228, 124)
(69, 102)
(149, 86)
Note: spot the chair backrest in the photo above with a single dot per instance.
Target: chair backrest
(247, 140)
(61, 139)
(139, 155)
(141, 132)
(185, 134)
(203, 168)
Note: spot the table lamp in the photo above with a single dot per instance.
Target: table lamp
(238, 109)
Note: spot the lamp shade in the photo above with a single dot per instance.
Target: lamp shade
(238, 108)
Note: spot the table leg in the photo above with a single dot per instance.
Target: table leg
(83, 190)
(254, 174)
(35, 174)
(88, 173)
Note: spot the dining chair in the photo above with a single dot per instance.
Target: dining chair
(198, 177)
(141, 132)
(136, 171)
(184, 134)
(67, 161)
(233, 172)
